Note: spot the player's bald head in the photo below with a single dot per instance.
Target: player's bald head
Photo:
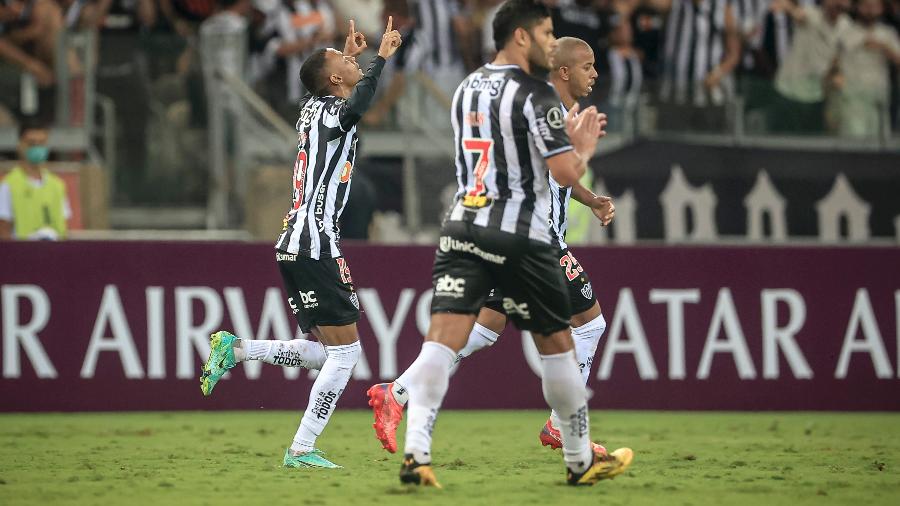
(569, 50)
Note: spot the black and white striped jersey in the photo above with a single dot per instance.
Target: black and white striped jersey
(326, 152)
(625, 78)
(695, 45)
(505, 124)
(434, 44)
(559, 207)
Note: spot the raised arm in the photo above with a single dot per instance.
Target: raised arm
(361, 97)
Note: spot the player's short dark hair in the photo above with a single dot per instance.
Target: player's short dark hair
(517, 14)
(27, 123)
(312, 73)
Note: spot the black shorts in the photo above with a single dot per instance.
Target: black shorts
(581, 293)
(320, 292)
(472, 260)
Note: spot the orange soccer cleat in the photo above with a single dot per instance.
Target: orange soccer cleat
(551, 437)
(388, 413)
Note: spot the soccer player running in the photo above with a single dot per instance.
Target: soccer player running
(316, 276)
(509, 130)
(573, 76)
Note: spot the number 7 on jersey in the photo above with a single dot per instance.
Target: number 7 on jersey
(477, 196)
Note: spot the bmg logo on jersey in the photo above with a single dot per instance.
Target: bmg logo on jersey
(308, 299)
(513, 308)
(448, 286)
(492, 84)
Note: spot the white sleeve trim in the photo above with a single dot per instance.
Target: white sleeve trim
(557, 151)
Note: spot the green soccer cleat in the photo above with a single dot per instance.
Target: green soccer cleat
(221, 358)
(314, 458)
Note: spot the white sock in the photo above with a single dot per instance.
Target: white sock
(294, 353)
(480, 337)
(326, 391)
(401, 394)
(427, 380)
(587, 338)
(564, 392)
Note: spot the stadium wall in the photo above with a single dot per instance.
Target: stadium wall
(123, 326)
(805, 191)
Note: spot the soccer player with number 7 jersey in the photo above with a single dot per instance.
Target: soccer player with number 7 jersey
(572, 76)
(316, 276)
(509, 130)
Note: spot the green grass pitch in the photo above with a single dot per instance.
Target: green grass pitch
(482, 457)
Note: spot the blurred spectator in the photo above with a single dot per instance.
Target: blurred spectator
(293, 29)
(122, 76)
(863, 98)
(701, 50)
(431, 32)
(621, 77)
(185, 16)
(819, 34)
(767, 45)
(647, 27)
(229, 22)
(31, 27)
(33, 202)
(365, 13)
(399, 67)
(583, 19)
(774, 39)
(489, 9)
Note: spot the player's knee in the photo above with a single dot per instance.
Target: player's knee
(592, 328)
(346, 355)
(450, 330)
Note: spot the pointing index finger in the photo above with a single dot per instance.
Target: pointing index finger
(390, 24)
(352, 27)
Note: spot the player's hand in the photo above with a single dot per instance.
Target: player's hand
(41, 72)
(355, 42)
(604, 209)
(713, 79)
(603, 122)
(586, 131)
(390, 41)
(570, 119)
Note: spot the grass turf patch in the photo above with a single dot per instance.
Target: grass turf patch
(481, 457)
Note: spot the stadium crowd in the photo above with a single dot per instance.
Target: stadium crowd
(832, 63)
(790, 66)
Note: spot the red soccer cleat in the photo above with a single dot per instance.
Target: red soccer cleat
(551, 437)
(388, 413)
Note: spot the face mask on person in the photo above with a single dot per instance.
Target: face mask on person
(37, 154)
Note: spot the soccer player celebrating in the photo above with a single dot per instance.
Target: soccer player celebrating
(509, 131)
(573, 76)
(316, 276)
